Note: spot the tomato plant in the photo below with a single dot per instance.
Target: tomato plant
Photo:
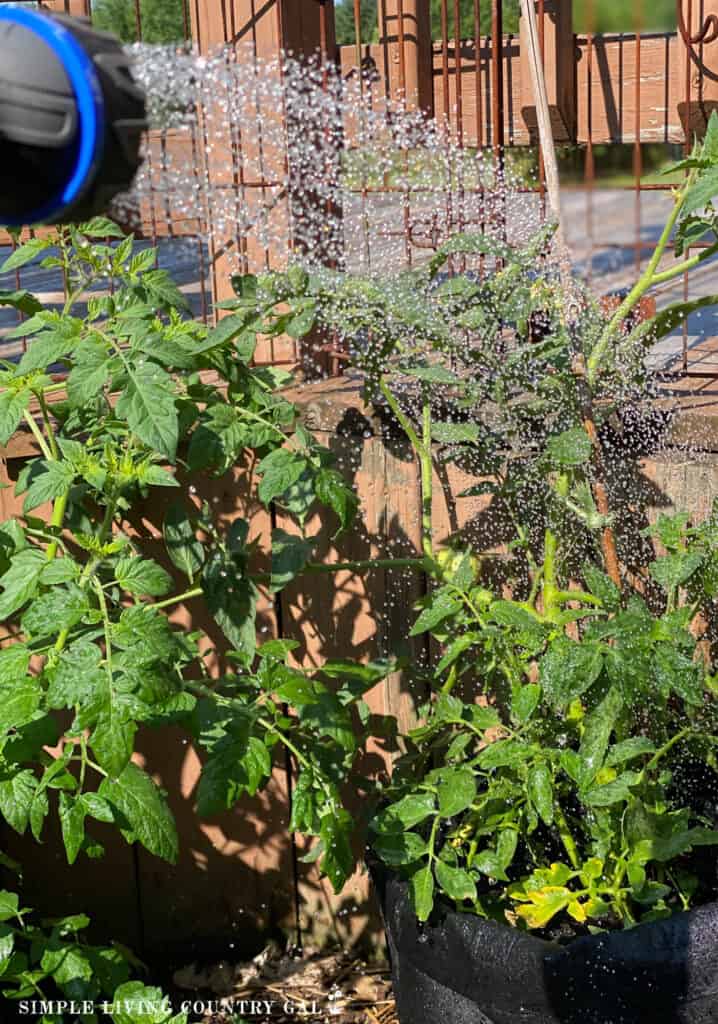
(150, 400)
(543, 779)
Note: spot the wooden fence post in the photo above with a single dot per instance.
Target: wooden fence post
(559, 48)
(697, 87)
(77, 8)
(405, 39)
(260, 32)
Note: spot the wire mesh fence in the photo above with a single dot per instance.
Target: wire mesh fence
(422, 97)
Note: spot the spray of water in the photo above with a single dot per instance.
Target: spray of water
(272, 158)
(270, 162)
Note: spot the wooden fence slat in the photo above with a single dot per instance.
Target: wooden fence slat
(697, 67)
(407, 69)
(560, 71)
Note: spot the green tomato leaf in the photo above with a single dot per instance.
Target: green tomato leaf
(13, 405)
(524, 701)
(611, 793)
(47, 481)
(279, 470)
(333, 491)
(232, 602)
(21, 300)
(142, 809)
(540, 791)
(673, 570)
(91, 370)
(21, 580)
(455, 433)
(398, 848)
(16, 793)
(602, 587)
(72, 822)
(135, 1003)
(290, 553)
(455, 882)
(335, 831)
(457, 791)
(597, 733)
(407, 812)
(19, 701)
(9, 905)
(443, 604)
(569, 669)
(571, 448)
(629, 749)
(148, 404)
(25, 254)
(503, 754)
(59, 609)
(183, 548)
(422, 892)
(142, 576)
(112, 740)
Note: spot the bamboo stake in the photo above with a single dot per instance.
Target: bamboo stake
(543, 115)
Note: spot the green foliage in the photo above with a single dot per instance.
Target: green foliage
(599, 16)
(541, 780)
(163, 21)
(346, 25)
(53, 961)
(149, 393)
(555, 792)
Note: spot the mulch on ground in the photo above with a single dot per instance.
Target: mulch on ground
(276, 988)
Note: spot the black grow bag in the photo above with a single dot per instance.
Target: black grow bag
(461, 969)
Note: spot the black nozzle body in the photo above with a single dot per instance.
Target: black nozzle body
(71, 118)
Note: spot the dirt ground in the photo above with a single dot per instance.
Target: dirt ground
(277, 988)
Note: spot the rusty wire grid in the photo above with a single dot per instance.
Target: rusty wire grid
(627, 89)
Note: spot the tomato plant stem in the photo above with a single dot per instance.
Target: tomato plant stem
(646, 281)
(422, 447)
(564, 830)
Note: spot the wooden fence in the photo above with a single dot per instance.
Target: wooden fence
(238, 877)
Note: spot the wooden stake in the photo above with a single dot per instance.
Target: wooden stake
(543, 114)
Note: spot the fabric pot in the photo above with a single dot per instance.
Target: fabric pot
(462, 969)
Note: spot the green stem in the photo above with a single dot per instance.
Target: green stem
(665, 749)
(550, 590)
(96, 766)
(427, 482)
(260, 419)
(179, 598)
(683, 268)
(646, 281)
(284, 739)
(83, 753)
(432, 838)
(37, 434)
(57, 519)
(48, 424)
(422, 447)
(451, 680)
(562, 596)
(564, 831)
(404, 421)
(108, 639)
